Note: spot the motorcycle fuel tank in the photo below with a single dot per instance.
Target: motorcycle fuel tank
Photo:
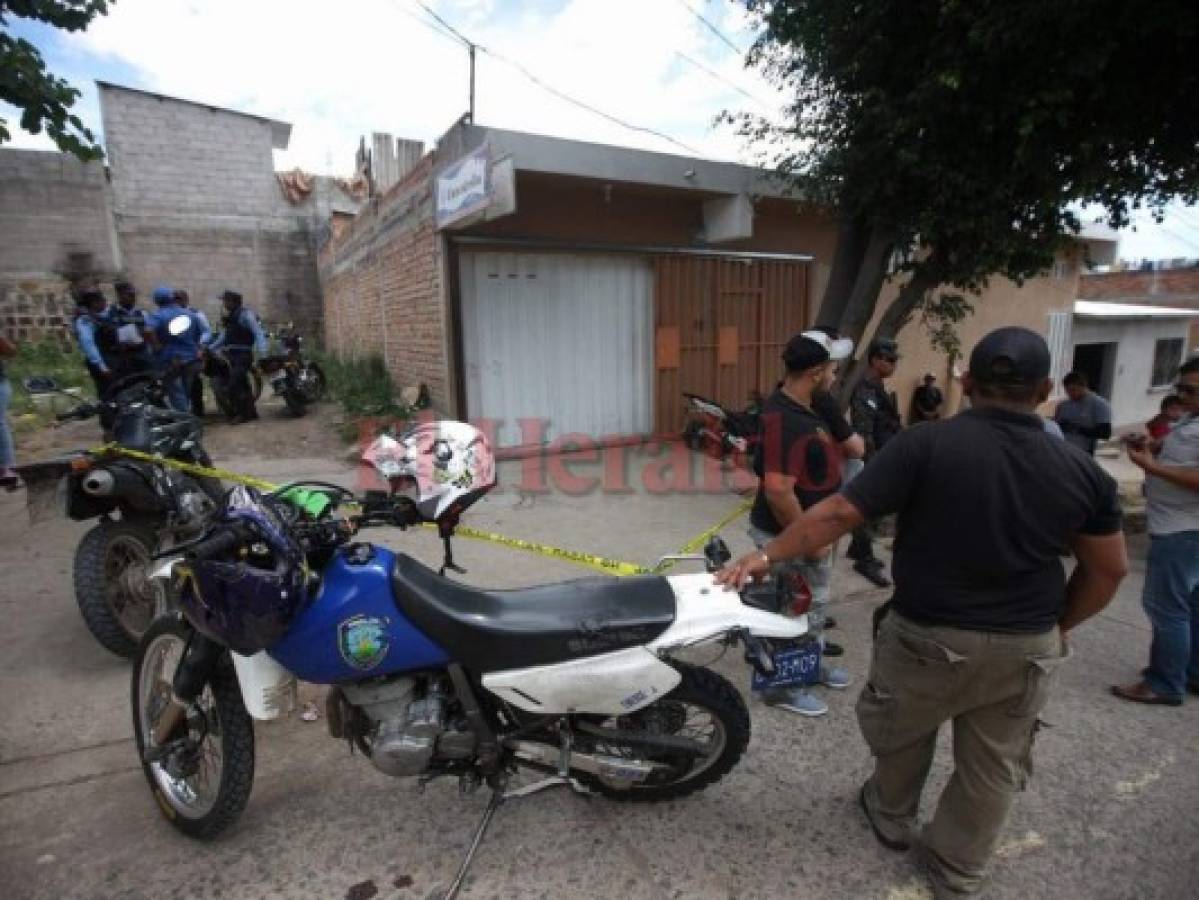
(353, 629)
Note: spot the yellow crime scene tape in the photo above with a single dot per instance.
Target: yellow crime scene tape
(599, 563)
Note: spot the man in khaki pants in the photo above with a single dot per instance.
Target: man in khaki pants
(987, 503)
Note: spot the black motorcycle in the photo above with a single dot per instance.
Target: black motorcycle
(298, 381)
(217, 371)
(141, 506)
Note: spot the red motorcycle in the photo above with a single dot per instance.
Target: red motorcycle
(721, 432)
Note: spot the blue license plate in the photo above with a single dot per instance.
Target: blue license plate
(793, 666)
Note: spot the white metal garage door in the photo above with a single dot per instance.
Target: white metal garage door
(558, 337)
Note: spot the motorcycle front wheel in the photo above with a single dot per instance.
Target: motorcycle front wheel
(117, 598)
(203, 783)
(704, 708)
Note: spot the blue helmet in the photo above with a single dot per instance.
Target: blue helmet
(248, 603)
(163, 294)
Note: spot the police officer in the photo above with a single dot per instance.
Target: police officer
(178, 356)
(241, 336)
(875, 416)
(987, 503)
(133, 354)
(183, 299)
(97, 338)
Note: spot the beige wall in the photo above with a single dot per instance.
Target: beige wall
(1002, 303)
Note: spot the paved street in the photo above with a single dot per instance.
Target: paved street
(1110, 814)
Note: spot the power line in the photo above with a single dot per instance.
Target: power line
(549, 88)
(712, 28)
(446, 25)
(720, 77)
(415, 18)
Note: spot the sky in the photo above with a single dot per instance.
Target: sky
(341, 71)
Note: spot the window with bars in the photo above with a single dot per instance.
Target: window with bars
(1167, 357)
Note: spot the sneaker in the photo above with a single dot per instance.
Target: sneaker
(797, 701)
(834, 677)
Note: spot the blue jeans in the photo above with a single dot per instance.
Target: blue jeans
(1171, 600)
(7, 458)
(178, 377)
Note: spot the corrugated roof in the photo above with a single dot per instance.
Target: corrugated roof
(1095, 309)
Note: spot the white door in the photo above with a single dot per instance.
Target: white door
(557, 338)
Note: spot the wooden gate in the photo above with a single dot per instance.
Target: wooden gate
(721, 325)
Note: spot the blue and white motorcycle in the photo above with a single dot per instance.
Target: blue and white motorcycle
(429, 677)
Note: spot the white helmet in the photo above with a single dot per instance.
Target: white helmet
(446, 462)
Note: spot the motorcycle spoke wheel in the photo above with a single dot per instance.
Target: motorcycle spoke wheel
(132, 595)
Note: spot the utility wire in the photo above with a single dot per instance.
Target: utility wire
(712, 28)
(446, 25)
(440, 32)
(549, 88)
(719, 77)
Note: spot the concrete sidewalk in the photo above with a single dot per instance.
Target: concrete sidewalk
(1111, 812)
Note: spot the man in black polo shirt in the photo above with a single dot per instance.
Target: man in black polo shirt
(799, 464)
(987, 503)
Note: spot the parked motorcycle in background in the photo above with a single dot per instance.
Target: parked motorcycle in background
(298, 381)
(216, 370)
(582, 681)
(713, 429)
(140, 507)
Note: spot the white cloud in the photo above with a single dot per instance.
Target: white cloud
(337, 72)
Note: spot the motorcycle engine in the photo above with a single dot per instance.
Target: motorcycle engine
(409, 723)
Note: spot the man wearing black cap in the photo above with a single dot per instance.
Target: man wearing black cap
(875, 416)
(799, 464)
(987, 503)
(241, 336)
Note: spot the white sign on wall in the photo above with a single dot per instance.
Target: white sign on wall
(463, 188)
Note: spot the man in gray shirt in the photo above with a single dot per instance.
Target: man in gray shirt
(1171, 596)
(1084, 417)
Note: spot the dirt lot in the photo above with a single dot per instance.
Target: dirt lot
(1111, 813)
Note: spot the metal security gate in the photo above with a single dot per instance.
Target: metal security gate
(720, 328)
(563, 339)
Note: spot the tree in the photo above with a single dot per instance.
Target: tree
(44, 99)
(957, 136)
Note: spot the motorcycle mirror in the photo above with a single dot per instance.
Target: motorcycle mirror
(179, 325)
(40, 384)
(717, 553)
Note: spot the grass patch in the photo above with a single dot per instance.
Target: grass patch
(47, 358)
(366, 393)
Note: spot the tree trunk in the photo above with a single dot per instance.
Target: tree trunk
(852, 237)
(896, 316)
(869, 282)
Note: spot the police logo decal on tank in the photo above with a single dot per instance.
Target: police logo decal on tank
(363, 641)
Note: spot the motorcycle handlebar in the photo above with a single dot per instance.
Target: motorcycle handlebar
(224, 540)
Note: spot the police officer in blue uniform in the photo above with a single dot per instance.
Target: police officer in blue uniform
(241, 336)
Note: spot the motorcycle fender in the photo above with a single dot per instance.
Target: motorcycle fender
(267, 689)
(610, 684)
(705, 611)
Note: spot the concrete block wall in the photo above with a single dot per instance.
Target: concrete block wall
(36, 309)
(52, 208)
(382, 287)
(198, 206)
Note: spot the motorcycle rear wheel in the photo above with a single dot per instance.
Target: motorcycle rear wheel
(704, 707)
(116, 597)
(209, 796)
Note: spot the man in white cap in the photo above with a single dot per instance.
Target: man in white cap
(799, 464)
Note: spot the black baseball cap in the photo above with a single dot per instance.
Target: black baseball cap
(883, 347)
(809, 349)
(1011, 355)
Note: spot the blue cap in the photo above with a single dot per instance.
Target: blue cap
(163, 294)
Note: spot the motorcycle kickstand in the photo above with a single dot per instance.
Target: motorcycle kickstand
(497, 800)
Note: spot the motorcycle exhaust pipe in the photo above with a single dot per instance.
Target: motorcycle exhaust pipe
(99, 483)
(121, 483)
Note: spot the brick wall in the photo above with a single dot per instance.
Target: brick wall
(55, 214)
(381, 277)
(1178, 288)
(36, 309)
(198, 206)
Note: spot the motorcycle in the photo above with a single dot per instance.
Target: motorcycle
(216, 370)
(141, 507)
(298, 381)
(582, 681)
(711, 428)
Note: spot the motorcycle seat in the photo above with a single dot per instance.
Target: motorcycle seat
(489, 631)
